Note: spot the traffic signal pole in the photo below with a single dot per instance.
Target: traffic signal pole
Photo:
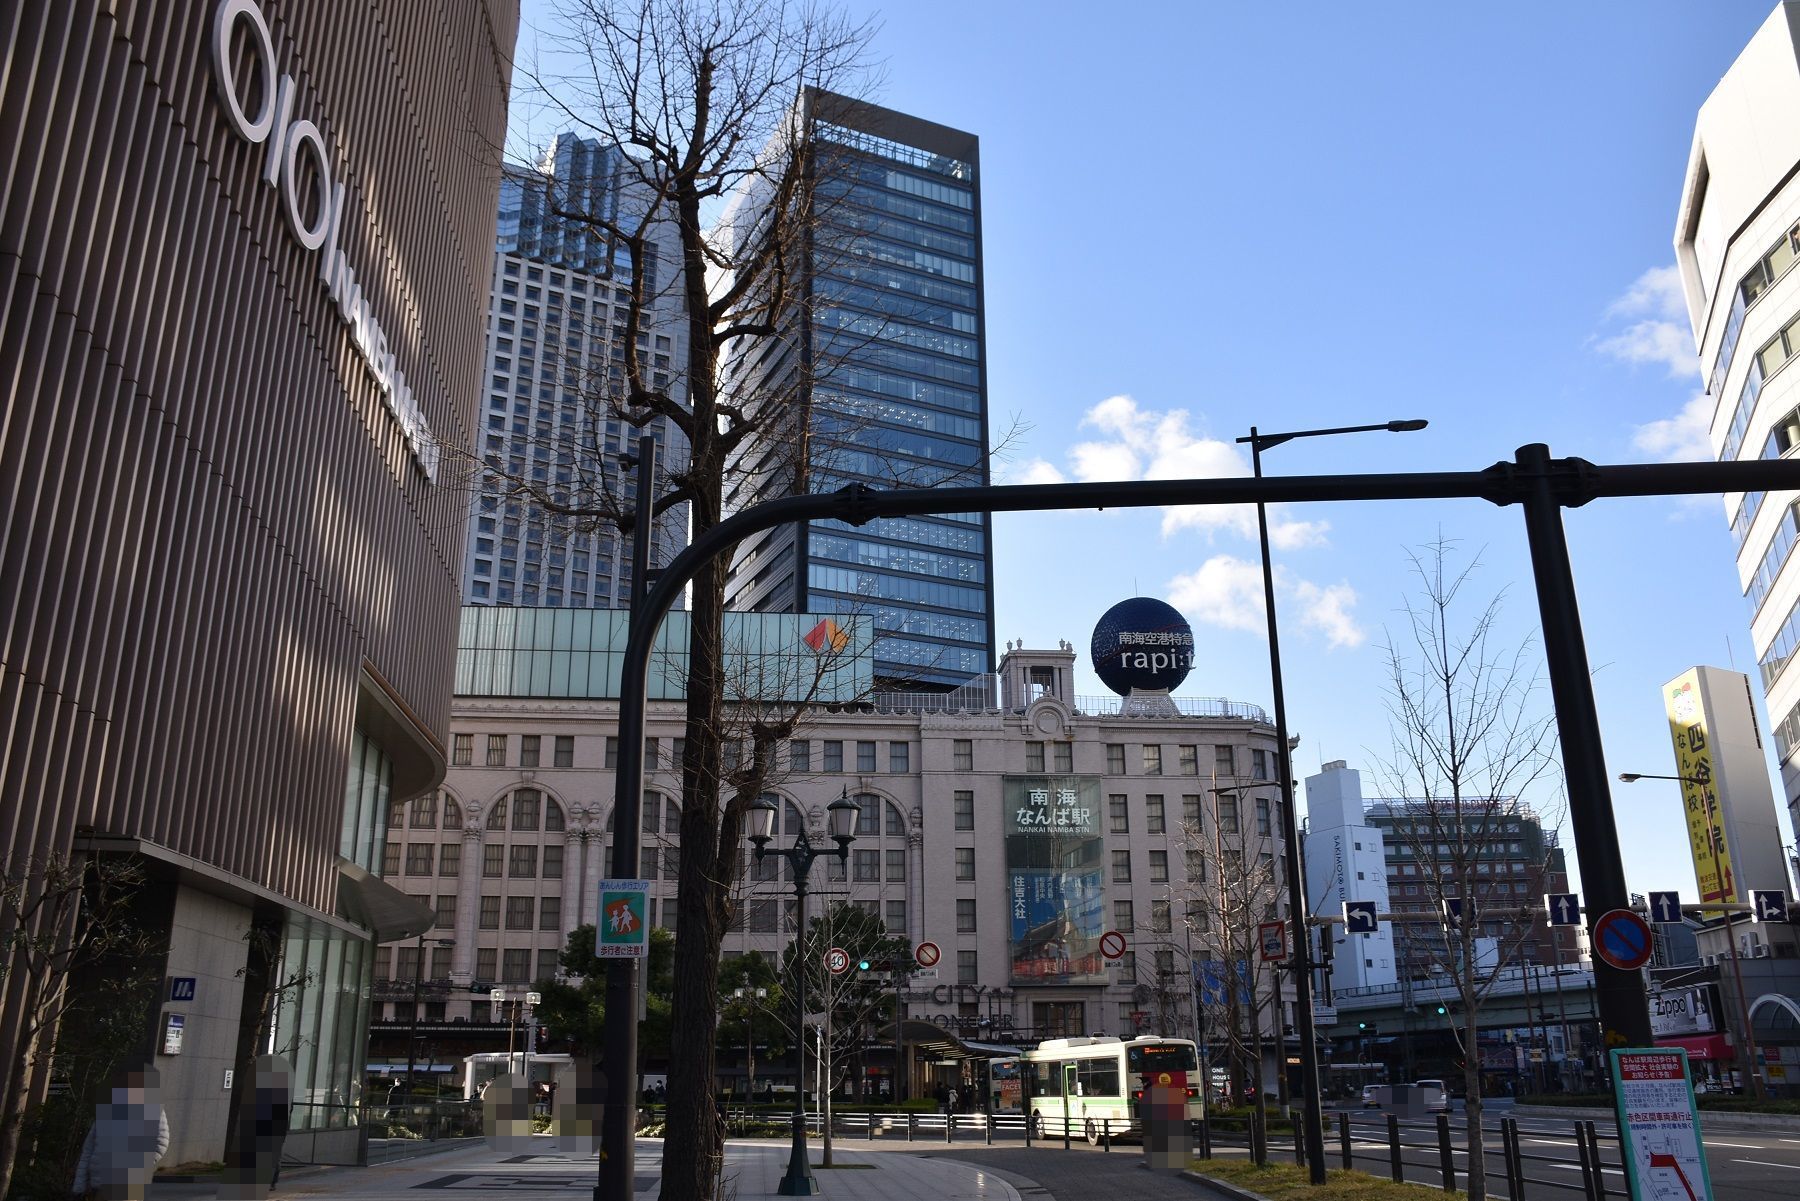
(1542, 485)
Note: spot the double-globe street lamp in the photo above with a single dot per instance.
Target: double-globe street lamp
(1314, 1140)
(1746, 1047)
(840, 822)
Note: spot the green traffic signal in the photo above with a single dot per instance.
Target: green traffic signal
(1442, 1011)
(1362, 1025)
(862, 965)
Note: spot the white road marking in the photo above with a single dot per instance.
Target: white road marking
(1575, 1167)
(1713, 1142)
(1763, 1163)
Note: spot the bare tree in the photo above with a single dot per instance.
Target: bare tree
(1232, 887)
(1469, 734)
(59, 915)
(702, 98)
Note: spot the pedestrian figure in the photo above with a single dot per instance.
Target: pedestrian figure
(259, 1127)
(129, 1135)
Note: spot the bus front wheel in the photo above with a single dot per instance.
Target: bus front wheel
(1093, 1133)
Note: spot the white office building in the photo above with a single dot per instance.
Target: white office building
(1345, 862)
(1737, 238)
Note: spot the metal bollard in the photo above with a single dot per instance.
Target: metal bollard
(1299, 1143)
(949, 1127)
(1029, 1118)
(1066, 1126)
(1515, 1165)
(1395, 1164)
(1446, 1155)
(987, 1122)
(1587, 1163)
(911, 1121)
(871, 1125)
(1106, 1133)
(1205, 1138)
(1344, 1138)
(1599, 1164)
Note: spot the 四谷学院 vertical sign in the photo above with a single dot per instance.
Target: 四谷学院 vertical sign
(1699, 788)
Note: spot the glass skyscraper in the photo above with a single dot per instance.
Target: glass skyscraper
(892, 393)
(556, 321)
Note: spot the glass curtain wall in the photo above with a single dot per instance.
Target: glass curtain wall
(899, 399)
(322, 1020)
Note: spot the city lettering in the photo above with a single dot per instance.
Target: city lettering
(287, 141)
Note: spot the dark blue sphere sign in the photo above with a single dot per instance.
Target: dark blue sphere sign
(1142, 644)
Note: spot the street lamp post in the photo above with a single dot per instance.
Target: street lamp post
(412, 1039)
(1746, 1048)
(841, 824)
(749, 996)
(1290, 824)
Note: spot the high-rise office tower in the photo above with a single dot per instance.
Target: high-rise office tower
(555, 353)
(1737, 239)
(881, 367)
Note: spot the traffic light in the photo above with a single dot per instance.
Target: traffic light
(863, 965)
(1442, 1011)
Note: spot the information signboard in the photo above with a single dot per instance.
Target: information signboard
(1662, 1151)
(624, 931)
(1056, 889)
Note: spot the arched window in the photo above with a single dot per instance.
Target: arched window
(793, 820)
(868, 815)
(671, 816)
(525, 804)
(452, 813)
(652, 815)
(496, 819)
(553, 817)
(424, 812)
(896, 822)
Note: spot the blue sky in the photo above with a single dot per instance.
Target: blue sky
(1203, 216)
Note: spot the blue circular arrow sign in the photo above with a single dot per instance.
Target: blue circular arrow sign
(1622, 939)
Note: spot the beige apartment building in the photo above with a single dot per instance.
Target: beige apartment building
(510, 851)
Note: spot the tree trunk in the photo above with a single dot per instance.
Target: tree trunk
(12, 1124)
(689, 1167)
(1477, 1171)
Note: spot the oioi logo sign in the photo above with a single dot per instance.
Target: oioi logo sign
(297, 161)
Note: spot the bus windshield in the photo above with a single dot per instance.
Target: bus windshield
(1168, 1057)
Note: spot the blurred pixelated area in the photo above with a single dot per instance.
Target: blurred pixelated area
(506, 1114)
(130, 1134)
(259, 1128)
(1167, 1144)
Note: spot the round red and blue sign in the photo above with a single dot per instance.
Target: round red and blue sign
(1622, 939)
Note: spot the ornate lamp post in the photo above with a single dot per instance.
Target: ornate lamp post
(841, 823)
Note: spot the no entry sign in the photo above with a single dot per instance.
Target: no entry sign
(1112, 944)
(926, 954)
(1622, 939)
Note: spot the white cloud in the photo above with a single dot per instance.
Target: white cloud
(1227, 592)
(1660, 333)
(1682, 438)
(1657, 293)
(1139, 443)
(1327, 610)
(1661, 342)
(1039, 472)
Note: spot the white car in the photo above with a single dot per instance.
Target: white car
(1437, 1097)
(1371, 1096)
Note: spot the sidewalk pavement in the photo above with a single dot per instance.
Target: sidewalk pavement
(753, 1170)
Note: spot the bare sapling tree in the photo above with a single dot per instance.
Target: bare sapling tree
(841, 1006)
(1232, 887)
(59, 915)
(1469, 735)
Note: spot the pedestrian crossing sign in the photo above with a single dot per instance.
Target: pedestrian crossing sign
(624, 932)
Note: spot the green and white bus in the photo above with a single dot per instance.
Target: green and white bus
(1087, 1085)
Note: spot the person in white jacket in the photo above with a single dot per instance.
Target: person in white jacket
(129, 1136)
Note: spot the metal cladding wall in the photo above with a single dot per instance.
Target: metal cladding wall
(210, 523)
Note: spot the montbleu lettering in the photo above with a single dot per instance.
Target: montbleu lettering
(285, 140)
